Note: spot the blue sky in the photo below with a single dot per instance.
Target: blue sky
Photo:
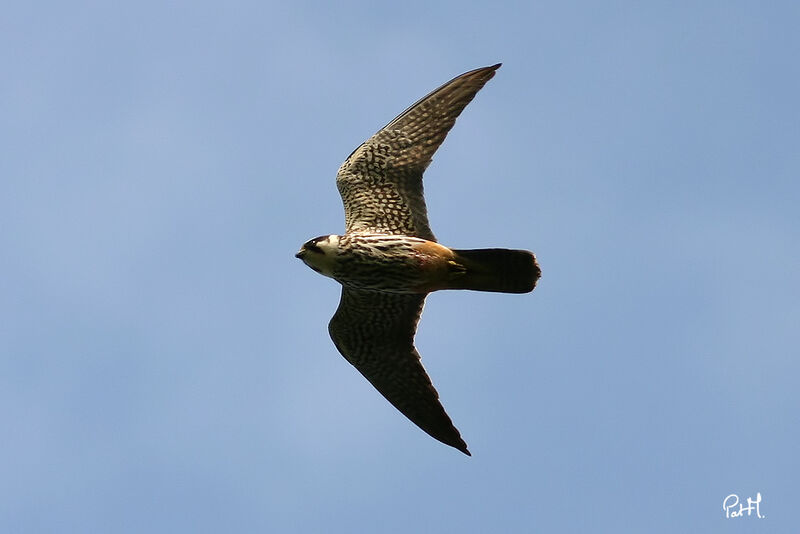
(164, 359)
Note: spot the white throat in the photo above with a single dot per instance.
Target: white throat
(324, 263)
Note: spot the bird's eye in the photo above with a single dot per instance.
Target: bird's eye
(312, 244)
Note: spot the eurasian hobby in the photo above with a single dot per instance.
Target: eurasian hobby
(388, 259)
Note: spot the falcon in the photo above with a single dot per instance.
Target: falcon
(388, 259)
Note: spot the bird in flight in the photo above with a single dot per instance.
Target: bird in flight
(388, 259)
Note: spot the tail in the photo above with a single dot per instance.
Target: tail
(496, 269)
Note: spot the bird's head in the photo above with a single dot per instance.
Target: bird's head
(320, 253)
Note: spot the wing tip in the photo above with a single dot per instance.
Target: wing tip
(463, 448)
(454, 440)
(485, 71)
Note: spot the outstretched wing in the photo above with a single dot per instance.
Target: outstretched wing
(381, 181)
(375, 332)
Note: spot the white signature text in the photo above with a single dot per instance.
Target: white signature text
(734, 508)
